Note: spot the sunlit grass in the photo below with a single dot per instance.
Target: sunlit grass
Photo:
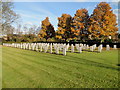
(31, 69)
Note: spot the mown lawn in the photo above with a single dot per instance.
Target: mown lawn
(31, 69)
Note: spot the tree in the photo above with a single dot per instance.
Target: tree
(32, 29)
(18, 29)
(47, 30)
(10, 29)
(102, 22)
(80, 23)
(8, 16)
(25, 28)
(37, 30)
(64, 27)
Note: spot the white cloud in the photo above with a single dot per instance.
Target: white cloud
(43, 13)
(31, 18)
(117, 12)
(29, 23)
(28, 16)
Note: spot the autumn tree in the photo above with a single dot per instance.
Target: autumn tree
(80, 23)
(64, 27)
(102, 22)
(47, 30)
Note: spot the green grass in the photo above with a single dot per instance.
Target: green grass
(30, 69)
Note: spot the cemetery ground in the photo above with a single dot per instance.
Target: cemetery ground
(31, 69)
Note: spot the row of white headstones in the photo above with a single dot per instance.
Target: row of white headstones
(49, 47)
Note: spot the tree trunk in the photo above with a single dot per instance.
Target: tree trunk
(65, 39)
(46, 39)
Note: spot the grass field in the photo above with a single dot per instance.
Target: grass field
(30, 69)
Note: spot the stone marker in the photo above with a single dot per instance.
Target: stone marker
(51, 48)
(87, 46)
(107, 47)
(46, 46)
(72, 48)
(57, 50)
(94, 46)
(99, 48)
(80, 49)
(67, 47)
(77, 46)
(41, 48)
(91, 48)
(115, 46)
(37, 48)
(64, 50)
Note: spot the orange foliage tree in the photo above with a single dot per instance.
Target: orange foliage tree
(80, 23)
(64, 27)
(102, 22)
(47, 30)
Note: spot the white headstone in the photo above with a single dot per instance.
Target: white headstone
(64, 50)
(77, 46)
(57, 50)
(94, 46)
(107, 47)
(67, 47)
(29, 47)
(72, 48)
(41, 48)
(46, 46)
(91, 48)
(99, 48)
(115, 46)
(37, 48)
(87, 47)
(51, 48)
(80, 49)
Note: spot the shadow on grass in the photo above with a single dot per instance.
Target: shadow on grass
(96, 64)
(118, 64)
(83, 50)
(86, 62)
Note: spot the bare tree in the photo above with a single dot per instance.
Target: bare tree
(8, 16)
(10, 29)
(18, 29)
(33, 29)
(38, 30)
(25, 28)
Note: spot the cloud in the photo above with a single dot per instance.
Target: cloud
(116, 12)
(29, 23)
(26, 14)
(36, 15)
(43, 13)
